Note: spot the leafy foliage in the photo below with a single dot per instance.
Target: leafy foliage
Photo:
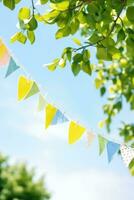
(17, 182)
(106, 25)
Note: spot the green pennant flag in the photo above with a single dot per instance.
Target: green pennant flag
(11, 67)
(131, 167)
(34, 90)
(102, 144)
(41, 103)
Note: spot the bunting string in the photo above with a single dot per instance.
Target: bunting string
(53, 115)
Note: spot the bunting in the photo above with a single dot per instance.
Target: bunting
(131, 167)
(33, 90)
(112, 148)
(12, 67)
(53, 115)
(41, 103)
(127, 154)
(90, 137)
(75, 132)
(24, 87)
(102, 144)
(4, 54)
(59, 118)
(50, 112)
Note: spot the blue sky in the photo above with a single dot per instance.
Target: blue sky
(72, 172)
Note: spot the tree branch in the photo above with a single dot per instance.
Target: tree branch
(109, 33)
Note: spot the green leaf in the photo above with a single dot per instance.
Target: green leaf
(108, 42)
(61, 6)
(130, 2)
(52, 66)
(114, 52)
(42, 2)
(94, 38)
(20, 37)
(101, 53)
(24, 13)
(62, 32)
(121, 35)
(86, 55)
(32, 23)
(22, 25)
(87, 68)
(9, 4)
(74, 26)
(75, 68)
(98, 83)
(17, 1)
(48, 17)
(130, 13)
(77, 41)
(102, 91)
(69, 54)
(78, 57)
(31, 36)
(62, 63)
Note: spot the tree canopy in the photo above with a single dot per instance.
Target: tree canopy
(19, 183)
(106, 25)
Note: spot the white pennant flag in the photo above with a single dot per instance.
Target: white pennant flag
(127, 154)
(90, 137)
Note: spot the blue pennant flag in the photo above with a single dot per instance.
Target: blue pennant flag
(11, 67)
(112, 148)
(59, 118)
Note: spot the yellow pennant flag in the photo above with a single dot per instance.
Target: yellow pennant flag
(4, 54)
(75, 132)
(50, 113)
(24, 87)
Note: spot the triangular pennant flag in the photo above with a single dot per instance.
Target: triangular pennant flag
(90, 138)
(112, 148)
(131, 167)
(127, 154)
(11, 67)
(75, 132)
(34, 90)
(41, 103)
(50, 112)
(102, 143)
(4, 54)
(24, 86)
(59, 118)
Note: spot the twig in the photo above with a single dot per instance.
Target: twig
(33, 7)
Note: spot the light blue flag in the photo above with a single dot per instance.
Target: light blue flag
(112, 148)
(11, 67)
(59, 118)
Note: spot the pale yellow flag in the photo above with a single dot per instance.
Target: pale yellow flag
(24, 87)
(90, 137)
(50, 112)
(75, 132)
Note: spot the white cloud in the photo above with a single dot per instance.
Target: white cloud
(90, 184)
